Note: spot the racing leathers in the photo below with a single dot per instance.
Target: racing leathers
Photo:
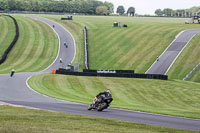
(108, 98)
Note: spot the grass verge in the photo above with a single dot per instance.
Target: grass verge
(76, 29)
(187, 60)
(135, 47)
(7, 33)
(35, 121)
(196, 76)
(175, 98)
(35, 49)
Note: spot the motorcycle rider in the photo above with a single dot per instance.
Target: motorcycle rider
(99, 98)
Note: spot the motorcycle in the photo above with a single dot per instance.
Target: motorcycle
(102, 104)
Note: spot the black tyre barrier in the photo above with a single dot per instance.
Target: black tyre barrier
(119, 74)
(87, 65)
(3, 58)
(67, 18)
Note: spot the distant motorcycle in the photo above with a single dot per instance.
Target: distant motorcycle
(102, 104)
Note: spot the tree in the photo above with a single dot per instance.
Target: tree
(96, 4)
(120, 10)
(12, 5)
(87, 7)
(110, 7)
(70, 6)
(102, 10)
(3, 5)
(131, 11)
(36, 5)
(181, 13)
(159, 12)
(167, 12)
(198, 12)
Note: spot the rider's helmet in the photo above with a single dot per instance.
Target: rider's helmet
(108, 90)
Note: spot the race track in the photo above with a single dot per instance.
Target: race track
(168, 57)
(15, 91)
(67, 54)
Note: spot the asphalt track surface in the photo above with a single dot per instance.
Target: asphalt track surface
(14, 91)
(168, 57)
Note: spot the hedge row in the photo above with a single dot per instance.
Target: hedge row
(3, 58)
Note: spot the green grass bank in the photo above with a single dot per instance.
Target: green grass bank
(35, 50)
(176, 98)
(7, 33)
(195, 77)
(135, 47)
(76, 29)
(35, 121)
(110, 48)
(187, 60)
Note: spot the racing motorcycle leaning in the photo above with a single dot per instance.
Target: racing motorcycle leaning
(100, 103)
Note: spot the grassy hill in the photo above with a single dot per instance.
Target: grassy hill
(195, 77)
(177, 98)
(7, 33)
(135, 47)
(76, 29)
(35, 50)
(187, 60)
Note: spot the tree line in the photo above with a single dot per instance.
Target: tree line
(130, 11)
(60, 6)
(194, 11)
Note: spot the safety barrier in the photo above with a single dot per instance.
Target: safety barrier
(67, 18)
(3, 58)
(87, 66)
(190, 74)
(111, 73)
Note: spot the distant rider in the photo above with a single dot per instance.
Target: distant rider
(12, 72)
(99, 98)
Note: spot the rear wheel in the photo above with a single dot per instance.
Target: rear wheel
(99, 108)
(90, 107)
(105, 106)
(102, 106)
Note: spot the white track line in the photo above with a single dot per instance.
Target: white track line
(179, 54)
(54, 61)
(3, 103)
